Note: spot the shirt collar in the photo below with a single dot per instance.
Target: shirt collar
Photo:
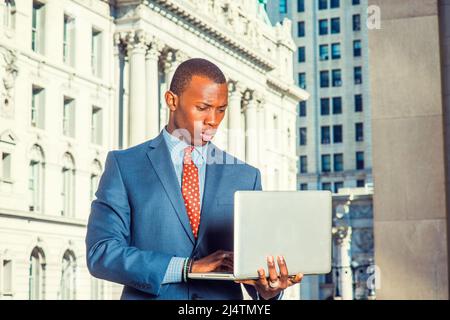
(177, 146)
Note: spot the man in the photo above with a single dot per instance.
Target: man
(165, 207)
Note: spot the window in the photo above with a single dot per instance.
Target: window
(36, 289)
(303, 136)
(355, 2)
(326, 186)
(323, 52)
(68, 186)
(96, 50)
(323, 27)
(37, 27)
(356, 22)
(335, 25)
(359, 160)
(303, 164)
(326, 163)
(357, 48)
(304, 186)
(95, 178)
(337, 78)
(68, 122)
(68, 276)
(359, 132)
(325, 135)
(302, 80)
(5, 166)
(335, 51)
(358, 103)
(334, 4)
(358, 75)
(300, 5)
(337, 133)
(337, 105)
(300, 29)
(337, 186)
(68, 40)
(283, 6)
(323, 4)
(37, 107)
(338, 162)
(302, 109)
(360, 183)
(324, 79)
(9, 15)
(324, 106)
(301, 54)
(6, 272)
(96, 125)
(36, 179)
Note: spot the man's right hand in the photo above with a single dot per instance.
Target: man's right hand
(219, 261)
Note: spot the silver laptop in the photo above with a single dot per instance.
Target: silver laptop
(294, 224)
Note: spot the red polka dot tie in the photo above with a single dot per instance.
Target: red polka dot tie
(190, 190)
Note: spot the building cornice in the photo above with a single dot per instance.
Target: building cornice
(289, 90)
(184, 15)
(25, 215)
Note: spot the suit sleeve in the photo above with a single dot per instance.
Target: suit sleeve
(108, 252)
(251, 289)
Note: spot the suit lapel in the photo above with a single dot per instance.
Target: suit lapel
(162, 163)
(212, 179)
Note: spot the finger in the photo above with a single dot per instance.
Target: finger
(249, 282)
(273, 276)
(296, 279)
(223, 266)
(284, 274)
(262, 281)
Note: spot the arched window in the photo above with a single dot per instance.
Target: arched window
(96, 170)
(36, 179)
(68, 186)
(68, 276)
(9, 14)
(36, 290)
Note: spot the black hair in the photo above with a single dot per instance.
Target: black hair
(195, 67)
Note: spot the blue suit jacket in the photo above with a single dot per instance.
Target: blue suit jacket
(139, 222)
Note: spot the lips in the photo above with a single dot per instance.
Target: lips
(208, 135)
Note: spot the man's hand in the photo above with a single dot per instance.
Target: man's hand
(219, 261)
(271, 287)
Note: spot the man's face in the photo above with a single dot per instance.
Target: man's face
(199, 109)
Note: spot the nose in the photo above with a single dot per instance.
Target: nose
(211, 118)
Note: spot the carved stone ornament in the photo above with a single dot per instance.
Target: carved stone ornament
(9, 72)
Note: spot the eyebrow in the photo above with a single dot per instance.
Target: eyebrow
(209, 105)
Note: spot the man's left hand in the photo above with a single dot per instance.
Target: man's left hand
(276, 283)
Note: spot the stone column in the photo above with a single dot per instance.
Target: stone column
(136, 47)
(251, 126)
(152, 91)
(115, 114)
(262, 142)
(234, 119)
(342, 242)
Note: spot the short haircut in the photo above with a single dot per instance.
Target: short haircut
(195, 67)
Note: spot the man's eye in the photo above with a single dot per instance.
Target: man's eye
(201, 108)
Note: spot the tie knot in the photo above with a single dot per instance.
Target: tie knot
(188, 155)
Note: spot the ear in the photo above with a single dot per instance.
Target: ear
(171, 100)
